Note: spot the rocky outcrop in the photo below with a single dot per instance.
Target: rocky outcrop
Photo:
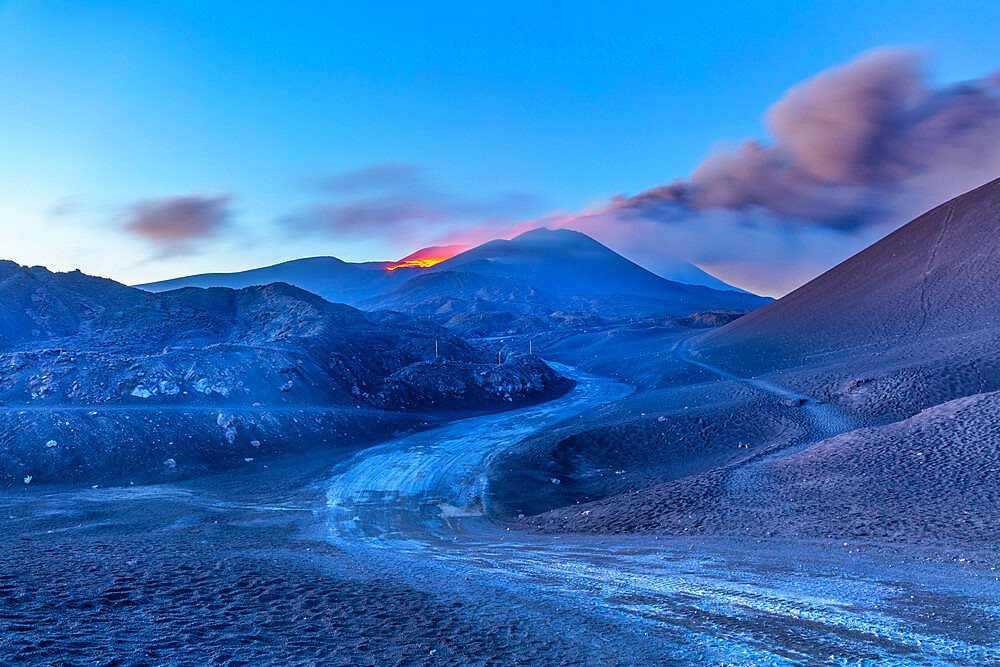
(72, 344)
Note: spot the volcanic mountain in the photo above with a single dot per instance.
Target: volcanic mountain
(549, 279)
(557, 262)
(562, 261)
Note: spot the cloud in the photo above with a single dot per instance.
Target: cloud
(174, 223)
(393, 176)
(854, 147)
(854, 152)
(393, 199)
(66, 207)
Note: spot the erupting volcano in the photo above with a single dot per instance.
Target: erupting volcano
(428, 256)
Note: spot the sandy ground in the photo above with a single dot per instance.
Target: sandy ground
(226, 570)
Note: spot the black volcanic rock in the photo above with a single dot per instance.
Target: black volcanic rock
(85, 340)
(444, 383)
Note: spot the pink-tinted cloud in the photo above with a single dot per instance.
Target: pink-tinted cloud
(173, 224)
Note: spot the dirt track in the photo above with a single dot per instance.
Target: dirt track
(419, 500)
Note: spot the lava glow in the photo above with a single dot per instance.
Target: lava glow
(423, 262)
(429, 256)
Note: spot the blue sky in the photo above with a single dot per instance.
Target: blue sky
(103, 105)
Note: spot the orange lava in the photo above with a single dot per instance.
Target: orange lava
(423, 262)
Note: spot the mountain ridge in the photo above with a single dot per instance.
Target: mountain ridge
(337, 280)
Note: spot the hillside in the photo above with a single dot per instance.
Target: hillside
(102, 369)
(933, 278)
(862, 405)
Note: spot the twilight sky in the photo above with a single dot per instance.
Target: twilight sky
(146, 140)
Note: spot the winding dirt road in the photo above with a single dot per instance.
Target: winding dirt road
(414, 507)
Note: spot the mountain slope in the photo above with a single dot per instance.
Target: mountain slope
(444, 292)
(329, 277)
(681, 271)
(934, 277)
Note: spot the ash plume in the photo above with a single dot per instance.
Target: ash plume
(857, 150)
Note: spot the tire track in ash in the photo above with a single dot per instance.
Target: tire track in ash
(414, 507)
(826, 420)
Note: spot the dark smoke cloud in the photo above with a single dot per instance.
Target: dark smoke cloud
(174, 223)
(398, 199)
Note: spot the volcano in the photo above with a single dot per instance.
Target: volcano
(546, 280)
(558, 262)
(563, 261)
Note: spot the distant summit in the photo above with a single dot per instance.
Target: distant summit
(547, 280)
(563, 261)
(557, 261)
(329, 277)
